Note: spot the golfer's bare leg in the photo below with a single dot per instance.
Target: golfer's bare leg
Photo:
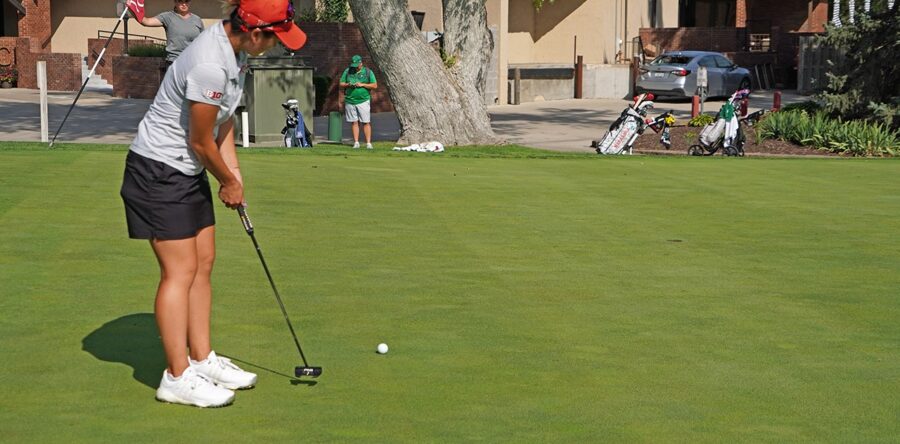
(200, 297)
(178, 267)
(367, 129)
(354, 128)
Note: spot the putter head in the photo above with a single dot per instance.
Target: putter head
(312, 372)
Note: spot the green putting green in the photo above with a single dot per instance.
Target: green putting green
(525, 296)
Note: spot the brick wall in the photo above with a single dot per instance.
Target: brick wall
(721, 39)
(104, 69)
(63, 69)
(740, 19)
(329, 48)
(36, 25)
(136, 77)
(8, 51)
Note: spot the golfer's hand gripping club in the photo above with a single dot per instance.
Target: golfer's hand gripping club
(306, 369)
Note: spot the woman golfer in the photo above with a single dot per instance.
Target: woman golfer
(188, 130)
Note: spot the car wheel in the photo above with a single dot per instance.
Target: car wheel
(745, 84)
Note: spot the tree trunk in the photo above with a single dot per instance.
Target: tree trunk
(432, 102)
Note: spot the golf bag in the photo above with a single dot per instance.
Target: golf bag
(295, 132)
(632, 123)
(725, 132)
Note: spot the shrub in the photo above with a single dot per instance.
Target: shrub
(810, 106)
(147, 50)
(328, 11)
(855, 137)
(9, 74)
(701, 120)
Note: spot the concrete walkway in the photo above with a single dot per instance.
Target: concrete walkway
(562, 125)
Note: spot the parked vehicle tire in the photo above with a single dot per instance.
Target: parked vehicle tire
(745, 84)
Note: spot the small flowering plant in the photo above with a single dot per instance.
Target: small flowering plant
(9, 74)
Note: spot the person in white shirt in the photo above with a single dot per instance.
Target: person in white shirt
(187, 131)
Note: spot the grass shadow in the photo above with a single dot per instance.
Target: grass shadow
(132, 340)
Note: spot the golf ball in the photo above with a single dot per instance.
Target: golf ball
(382, 348)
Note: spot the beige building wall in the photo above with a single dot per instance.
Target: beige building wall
(76, 21)
(549, 36)
(434, 17)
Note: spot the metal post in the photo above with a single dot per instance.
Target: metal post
(517, 86)
(579, 77)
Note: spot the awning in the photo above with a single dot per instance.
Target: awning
(18, 5)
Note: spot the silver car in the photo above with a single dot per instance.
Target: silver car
(674, 74)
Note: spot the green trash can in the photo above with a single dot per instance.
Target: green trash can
(335, 127)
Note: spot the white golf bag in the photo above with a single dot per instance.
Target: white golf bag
(631, 123)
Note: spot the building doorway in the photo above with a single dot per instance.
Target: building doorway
(706, 13)
(9, 18)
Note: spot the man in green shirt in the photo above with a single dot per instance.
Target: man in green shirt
(357, 81)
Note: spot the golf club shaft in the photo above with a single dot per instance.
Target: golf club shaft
(245, 220)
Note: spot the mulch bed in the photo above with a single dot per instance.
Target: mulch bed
(685, 136)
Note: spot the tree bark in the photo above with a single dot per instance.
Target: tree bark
(431, 101)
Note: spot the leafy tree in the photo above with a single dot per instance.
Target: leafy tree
(864, 82)
(329, 11)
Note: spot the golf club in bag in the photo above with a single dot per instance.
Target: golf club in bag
(306, 369)
(725, 132)
(296, 135)
(632, 123)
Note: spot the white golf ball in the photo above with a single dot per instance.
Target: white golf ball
(382, 348)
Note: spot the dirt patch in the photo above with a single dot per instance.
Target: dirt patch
(684, 136)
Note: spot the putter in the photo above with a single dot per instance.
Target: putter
(306, 369)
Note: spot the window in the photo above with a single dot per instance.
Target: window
(706, 13)
(722, 62)
(671, 59)
(707, 61)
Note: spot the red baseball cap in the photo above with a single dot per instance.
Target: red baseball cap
(273, 15)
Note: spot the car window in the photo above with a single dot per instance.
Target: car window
(723, 62)
(707, 61)
(671, 59)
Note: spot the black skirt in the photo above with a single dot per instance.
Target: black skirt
(163, 203)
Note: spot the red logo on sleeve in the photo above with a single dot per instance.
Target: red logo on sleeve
(215, 95)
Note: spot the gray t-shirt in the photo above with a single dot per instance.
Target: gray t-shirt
(180, 32)
(207, 72)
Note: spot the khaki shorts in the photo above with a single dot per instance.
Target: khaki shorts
(358, 113)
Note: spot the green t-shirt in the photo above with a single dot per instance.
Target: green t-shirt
(355, 96)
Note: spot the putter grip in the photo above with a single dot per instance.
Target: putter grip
(245, 220)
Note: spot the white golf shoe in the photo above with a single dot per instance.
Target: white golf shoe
(223, 372)
(192, 388)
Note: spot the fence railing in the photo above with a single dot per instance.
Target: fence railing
(101, 34)
(813, 64)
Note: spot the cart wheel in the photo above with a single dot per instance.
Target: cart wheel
(740, 151)
(695, 150)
